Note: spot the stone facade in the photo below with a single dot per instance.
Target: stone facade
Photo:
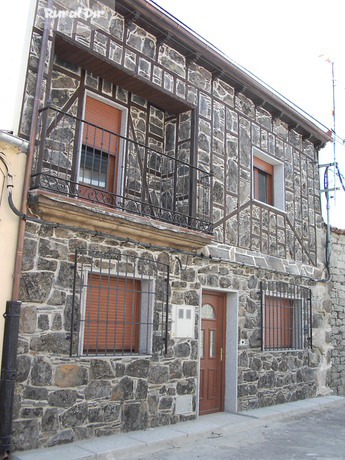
(337, 372)
(61, 398)
(228, 126)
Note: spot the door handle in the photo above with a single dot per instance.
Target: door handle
(221, 354)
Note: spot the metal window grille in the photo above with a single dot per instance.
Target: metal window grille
(286, 316)
(120, 305)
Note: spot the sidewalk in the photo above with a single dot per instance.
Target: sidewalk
(110, 447)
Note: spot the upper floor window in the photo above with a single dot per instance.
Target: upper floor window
(141, 172)
(268, 180)
(99, 156)
(263, 181)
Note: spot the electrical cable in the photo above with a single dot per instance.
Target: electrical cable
(328, 237)
(341, 177)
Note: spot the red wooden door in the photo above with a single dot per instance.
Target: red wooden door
(212, 353)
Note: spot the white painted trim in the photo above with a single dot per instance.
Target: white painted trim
(123, 131)
(231, 352)
(278, 178)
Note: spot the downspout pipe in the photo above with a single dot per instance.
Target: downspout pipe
(8, 374)
(11, 330)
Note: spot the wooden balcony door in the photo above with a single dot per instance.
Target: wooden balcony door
(99, 151)
(212, 353)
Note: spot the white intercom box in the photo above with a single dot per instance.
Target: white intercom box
(183, 321)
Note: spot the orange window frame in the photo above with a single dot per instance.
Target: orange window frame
(278, 323)
(260, 166)
(111, 314)
(105, 117)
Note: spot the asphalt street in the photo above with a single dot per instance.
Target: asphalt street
(319, 434)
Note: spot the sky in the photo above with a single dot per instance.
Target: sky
(290, 46)
(15, 33)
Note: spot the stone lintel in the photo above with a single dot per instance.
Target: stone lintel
(275, 264)
(244, 259)
(77, 213)
(221, 253)
(260, 262)
(292, 269)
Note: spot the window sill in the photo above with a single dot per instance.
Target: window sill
(81, 214)
(286, 350)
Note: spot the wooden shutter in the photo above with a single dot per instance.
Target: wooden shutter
(278, 323)
(111, 314)
(104, 116)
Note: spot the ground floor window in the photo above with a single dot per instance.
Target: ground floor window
(286, 316)
(120, 305)
(111, 314)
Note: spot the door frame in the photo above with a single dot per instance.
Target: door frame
(230, 380)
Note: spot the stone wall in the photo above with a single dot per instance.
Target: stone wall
(228, 126)
(61, 398)
(267, 379)
(337, 372)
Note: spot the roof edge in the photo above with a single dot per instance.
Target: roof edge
(255, 90)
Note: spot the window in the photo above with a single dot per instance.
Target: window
(111, 314)
(268, 180)
(120, 305)
(93, 167)
(99, 156)
(207, 312)
(263, 181)
(286, 316)
(278, 323)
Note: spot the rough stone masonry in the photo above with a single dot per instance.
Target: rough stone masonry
(60, 398)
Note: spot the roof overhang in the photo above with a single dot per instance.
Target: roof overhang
(72, 51)
(174, 34)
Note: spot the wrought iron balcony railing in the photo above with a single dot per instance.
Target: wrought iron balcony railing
(79, 159)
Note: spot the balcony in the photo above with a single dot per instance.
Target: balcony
(99, 168)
